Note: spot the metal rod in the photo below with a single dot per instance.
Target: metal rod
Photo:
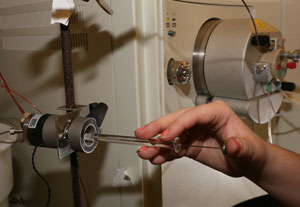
(154, 142)
(67, 65)
(70, 103)
(290, 55)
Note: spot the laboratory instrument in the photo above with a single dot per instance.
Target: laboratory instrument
(234, 62)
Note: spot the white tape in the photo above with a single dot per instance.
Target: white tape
(34, 120)
(121, 178)
(61, 11)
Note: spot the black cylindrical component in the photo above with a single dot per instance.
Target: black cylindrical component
(288, 86)
(34, 129)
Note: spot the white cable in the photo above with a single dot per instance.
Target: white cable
(270, 139)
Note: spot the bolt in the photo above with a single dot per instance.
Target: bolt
(260, 68)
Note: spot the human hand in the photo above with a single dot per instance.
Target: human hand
(214, 125)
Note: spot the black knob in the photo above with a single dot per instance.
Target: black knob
(288, 86)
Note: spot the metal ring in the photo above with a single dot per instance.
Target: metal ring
(77, 131)
(199, 55)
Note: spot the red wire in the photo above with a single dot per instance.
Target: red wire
(12, 96)
(25, 99)
(84, 191)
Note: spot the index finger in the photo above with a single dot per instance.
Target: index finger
(213, 116)
(158, 126)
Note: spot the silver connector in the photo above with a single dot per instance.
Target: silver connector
(178, 72)
(15, 131)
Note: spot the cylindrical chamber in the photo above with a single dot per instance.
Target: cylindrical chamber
(79, 128)
(224, 61)
(229, 60)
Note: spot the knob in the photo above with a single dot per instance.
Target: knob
(171, 33)
(178, 72)
(291, 65)
(288, 86)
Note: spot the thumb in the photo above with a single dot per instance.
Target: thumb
(239, 148)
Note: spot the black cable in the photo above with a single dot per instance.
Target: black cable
(253, 22)
(5, 132)
(37, 172)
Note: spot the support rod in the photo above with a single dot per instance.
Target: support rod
(70, 103)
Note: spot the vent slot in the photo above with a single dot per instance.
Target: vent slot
(78, 16)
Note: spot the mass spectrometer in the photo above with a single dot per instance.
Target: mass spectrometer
(239, 61)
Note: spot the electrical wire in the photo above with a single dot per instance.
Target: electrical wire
(37, 172)
(270, 138)
(10, 93)
(12, 124)
(273, 109)
(25, 99)
(253, 22)
(5, 132)
(84, 191)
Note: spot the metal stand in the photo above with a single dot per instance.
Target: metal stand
(70, 103)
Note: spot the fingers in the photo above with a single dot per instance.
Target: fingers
(148, 152)
(174, 124)
(158, 156)
(213, 116)
(159, 125)
(208, 116)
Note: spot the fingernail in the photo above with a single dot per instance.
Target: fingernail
(238, 144)
(141, 128)
(164, 133)
(142, 149)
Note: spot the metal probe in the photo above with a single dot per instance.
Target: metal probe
(154, 142)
